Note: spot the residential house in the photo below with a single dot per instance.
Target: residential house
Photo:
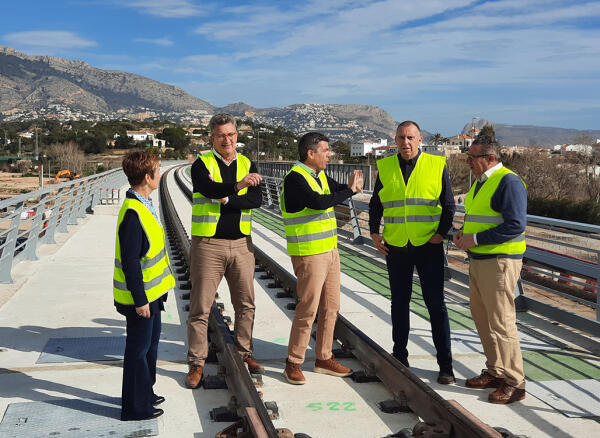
(362, 148)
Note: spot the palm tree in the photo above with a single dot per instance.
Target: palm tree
(437, 139)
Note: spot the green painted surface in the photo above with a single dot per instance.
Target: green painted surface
(558, 365)
(539, 365)
(188, 170)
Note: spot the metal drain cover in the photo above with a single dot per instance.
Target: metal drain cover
(58, 350)
(72, 418)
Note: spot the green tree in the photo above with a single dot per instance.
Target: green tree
(487, 134)
(123, 141)
(437, 139)
(175, 137)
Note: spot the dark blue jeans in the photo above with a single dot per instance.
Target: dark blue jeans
(139, 365)
(429, 261)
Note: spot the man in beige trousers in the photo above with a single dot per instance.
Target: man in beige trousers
(307, 201)
(494, 236)
(225, 185)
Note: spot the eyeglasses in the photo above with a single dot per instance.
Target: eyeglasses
(470, 157)
(224, 136)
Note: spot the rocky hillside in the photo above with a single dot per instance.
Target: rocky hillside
(340, 122)
(524, 135)
(29, 83)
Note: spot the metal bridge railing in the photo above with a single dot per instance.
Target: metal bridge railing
(339, 172)
(551, 256)
(34, 218)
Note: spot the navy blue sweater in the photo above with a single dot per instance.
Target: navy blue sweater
(510, 199)
(134, 245)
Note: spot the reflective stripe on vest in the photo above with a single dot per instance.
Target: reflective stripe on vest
(156, 270)
(411, 212)
(206, 212)
(309, 231)
(479, 216)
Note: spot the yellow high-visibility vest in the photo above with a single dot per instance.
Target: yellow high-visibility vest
(411, 212)
(309, 231)
(206, 212)
(480, 216)
(156, 270)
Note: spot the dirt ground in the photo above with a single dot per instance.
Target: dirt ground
(12, 184)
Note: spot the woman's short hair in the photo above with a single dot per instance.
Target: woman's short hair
(138, 164)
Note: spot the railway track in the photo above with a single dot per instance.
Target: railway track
(438, 417)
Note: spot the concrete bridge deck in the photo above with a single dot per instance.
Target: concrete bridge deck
(60, 337)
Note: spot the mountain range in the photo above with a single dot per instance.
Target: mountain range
(42, 86)
(527, 135)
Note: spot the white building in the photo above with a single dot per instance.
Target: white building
(140, 135)
(365, 147)
(463, 140)
(577, 148)
(385, 151)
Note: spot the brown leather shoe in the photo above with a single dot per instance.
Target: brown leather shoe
(484, 380)
(506, 394)
(293, 373)
(194, 377)
(331, 367)
(253, 366)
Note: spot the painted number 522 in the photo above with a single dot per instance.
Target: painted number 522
(331, 406)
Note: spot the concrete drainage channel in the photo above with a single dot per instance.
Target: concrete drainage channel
(440, 418)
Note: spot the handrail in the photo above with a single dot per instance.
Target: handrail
(33, 218)
(351, 226)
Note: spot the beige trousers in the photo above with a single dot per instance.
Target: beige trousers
(211, 259)
(318, 289)
(492, 289)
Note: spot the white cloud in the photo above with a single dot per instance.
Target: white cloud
(52, 39)
(164, 42)
(164, 8)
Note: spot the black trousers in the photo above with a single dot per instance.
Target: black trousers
(429, 261)
(139, 366)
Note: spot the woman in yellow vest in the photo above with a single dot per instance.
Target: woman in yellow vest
(142, 278)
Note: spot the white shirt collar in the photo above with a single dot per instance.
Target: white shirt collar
(223, 159)
(489, 172)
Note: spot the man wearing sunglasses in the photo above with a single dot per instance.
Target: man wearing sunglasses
(494, 238)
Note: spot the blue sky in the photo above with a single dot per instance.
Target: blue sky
(439, 62)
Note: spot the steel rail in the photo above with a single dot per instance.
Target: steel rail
(447, 417)
(249, 406)
(442, 418)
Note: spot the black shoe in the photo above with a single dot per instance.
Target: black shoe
(155, 414)
(158, 400)
(446, 378)
(402, 360)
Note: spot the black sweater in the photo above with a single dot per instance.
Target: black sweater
(298, 194)
(446, 198)
(228, 226)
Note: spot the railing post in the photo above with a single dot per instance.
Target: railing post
(520, 303)
(53, 221)
(358, 238)
(75, 201)
(65, 213)
(278, 187)
(268, 183)
(8, 251)
(34, 232)
(597, 285)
